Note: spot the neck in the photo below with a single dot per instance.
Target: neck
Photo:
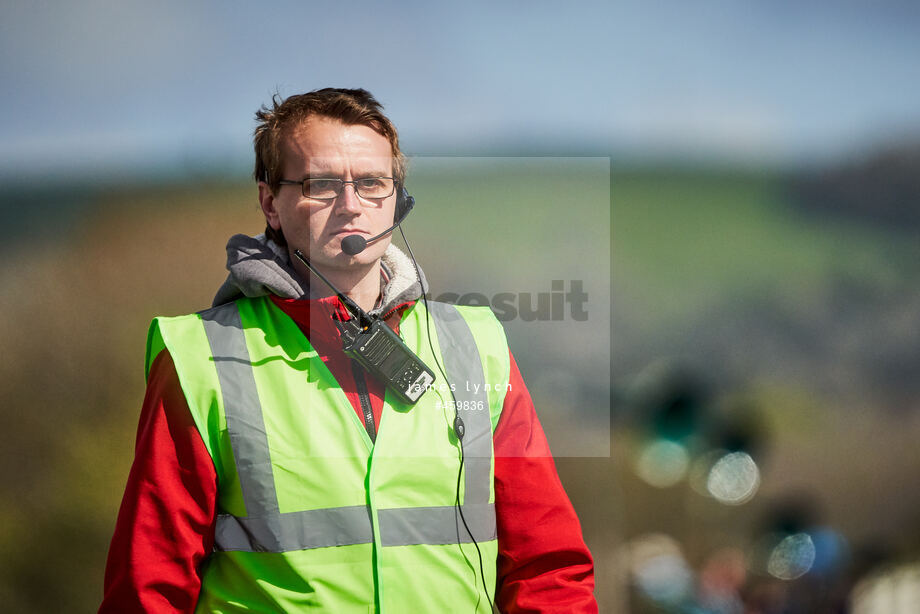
(359, 283)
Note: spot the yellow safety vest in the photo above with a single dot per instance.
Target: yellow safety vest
(313, 515)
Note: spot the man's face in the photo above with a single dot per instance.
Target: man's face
(327, 148)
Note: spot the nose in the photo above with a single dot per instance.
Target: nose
(348, 200)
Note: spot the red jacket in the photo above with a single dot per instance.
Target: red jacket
(165, 527)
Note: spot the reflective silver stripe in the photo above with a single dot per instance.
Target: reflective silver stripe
(242, 407)
(409, 526)
(347, 526)
(464, 371)
(336, 526)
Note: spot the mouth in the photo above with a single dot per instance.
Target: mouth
(350, 231)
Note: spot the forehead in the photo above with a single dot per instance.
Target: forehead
(321, 144)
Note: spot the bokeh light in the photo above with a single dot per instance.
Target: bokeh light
(734, 478)
(890, 591)
(659, 569)
(792, 557)
(662, 463)
(832, 551)
(721, 579)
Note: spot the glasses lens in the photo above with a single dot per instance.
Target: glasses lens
(322, 188)
(374, 187)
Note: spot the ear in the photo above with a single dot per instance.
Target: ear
(267, 202)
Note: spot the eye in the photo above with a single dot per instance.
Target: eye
(369, 183)
(322, 184)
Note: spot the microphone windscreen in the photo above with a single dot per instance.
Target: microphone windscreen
(353, 244)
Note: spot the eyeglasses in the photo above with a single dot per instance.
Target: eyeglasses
(323, 188)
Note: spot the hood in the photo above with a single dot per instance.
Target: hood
(259, 266)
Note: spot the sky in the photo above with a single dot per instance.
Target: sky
(99, 85)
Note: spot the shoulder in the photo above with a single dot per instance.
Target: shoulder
(225, 313)
(191, 334)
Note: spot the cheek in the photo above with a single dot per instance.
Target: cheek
(299, 219)
(385, 217)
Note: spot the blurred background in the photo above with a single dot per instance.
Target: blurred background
(736, 185)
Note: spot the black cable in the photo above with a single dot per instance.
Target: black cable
(470, 533)
(459, 507)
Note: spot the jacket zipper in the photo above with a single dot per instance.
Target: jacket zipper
(395, 309)
(365, 398)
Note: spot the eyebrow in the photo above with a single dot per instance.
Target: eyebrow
(328, 174)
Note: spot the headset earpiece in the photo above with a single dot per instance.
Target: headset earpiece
(404, 204)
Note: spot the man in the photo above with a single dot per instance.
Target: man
(273, 473)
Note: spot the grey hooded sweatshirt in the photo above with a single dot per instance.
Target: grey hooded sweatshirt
(258, 266)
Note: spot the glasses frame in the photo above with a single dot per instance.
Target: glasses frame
(342, 183)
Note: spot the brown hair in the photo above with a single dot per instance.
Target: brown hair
(348, 106)
(351, 107)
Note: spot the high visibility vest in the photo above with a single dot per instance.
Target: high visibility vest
(313, 515)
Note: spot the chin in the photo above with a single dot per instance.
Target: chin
(368, 255)
(362, 258)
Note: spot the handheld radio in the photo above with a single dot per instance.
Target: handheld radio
(372, 344)
(381, 352)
